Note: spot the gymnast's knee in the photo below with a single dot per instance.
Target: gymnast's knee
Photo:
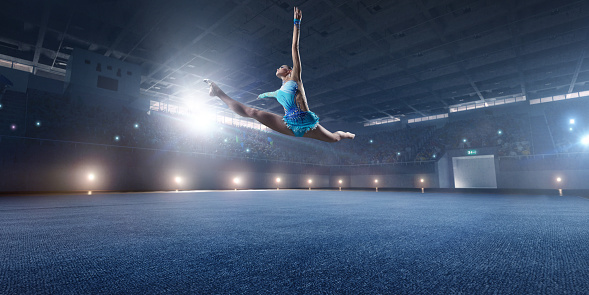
(251, 112)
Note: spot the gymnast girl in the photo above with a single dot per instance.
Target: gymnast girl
(298, 120)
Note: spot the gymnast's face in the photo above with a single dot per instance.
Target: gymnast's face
(283, 71)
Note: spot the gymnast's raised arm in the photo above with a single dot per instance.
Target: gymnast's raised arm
(296, 58)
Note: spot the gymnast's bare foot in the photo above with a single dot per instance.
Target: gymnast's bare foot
(214, 89)
(345, 135)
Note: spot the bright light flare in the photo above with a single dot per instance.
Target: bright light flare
(201, 121)
(178, 179)
(421, 180)
(190, 104)
(558, 179)
(376, 181)
(585, 140)
(236, 180)
(278, 180)
(310, 181)
(572, 121)
(341, 181)
(91, 176)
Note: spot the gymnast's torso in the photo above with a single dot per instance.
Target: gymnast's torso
(291, 98)
(297, 115)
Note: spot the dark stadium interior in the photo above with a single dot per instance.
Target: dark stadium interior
(119, 174)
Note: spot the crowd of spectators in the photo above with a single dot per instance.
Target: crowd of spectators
(380, 147)
(50, 116)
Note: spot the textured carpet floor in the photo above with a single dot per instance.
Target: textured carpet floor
(284, 242)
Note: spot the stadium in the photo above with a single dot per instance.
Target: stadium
(121, 174)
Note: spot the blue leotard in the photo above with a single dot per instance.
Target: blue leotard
(297, 120)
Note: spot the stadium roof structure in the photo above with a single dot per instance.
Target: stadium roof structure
(362, 60)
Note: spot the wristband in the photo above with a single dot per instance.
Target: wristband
(297, 23)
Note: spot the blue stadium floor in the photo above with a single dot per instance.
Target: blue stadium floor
(287, 241)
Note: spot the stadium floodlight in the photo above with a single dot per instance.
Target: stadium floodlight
(371, 141)
(190, 103)
(500, 132)
(13, 126)
(117, 138)
(0, 106)
(572, 121)
(571, 129)
(136, 125)
(585, 140)
(247, 150)
(464, 140)
(201, 122)
(398, 153)
(434, 156)
(38, 124)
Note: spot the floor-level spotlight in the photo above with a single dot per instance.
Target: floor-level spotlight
(340, 185)
(376, 184)
(236, 182)
(310, 182)
(558, 182)
(178, 181)
(91, 178)
(422, 189)
(277, 183)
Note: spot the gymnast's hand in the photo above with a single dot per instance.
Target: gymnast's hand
(298, 14)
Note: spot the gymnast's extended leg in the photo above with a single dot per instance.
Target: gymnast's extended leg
(270, 120)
